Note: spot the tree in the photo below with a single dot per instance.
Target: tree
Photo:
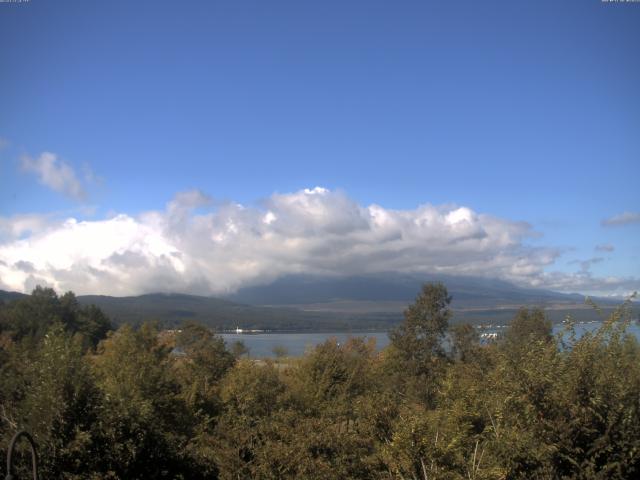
(31, 317)
(238, 349)
(206, 361)
(61, 407)
(528, 326)
(146, 423)
(205, 351)
(570, 412)
(250, 394)
(416, 355)
(464, 342)
(93, 324)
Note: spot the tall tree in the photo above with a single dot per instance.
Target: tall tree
(417, 355)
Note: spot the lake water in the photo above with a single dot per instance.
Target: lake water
(261, 345)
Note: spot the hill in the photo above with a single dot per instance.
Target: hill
(315, 303)
(385, 296)
(10, 296)
(173, 309)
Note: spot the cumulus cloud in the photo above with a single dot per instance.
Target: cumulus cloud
(605, 247)
(198, 247)
(626, 218)
(55, 174)
(17, 226)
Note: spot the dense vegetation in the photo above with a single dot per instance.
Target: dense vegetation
(122, 404)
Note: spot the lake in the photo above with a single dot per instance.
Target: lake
(261, 345)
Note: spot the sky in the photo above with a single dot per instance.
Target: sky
(202, 146)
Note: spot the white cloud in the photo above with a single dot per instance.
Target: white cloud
(17, 226)
(217, 250)
(55, 174)
(626, 218)
(585, 282)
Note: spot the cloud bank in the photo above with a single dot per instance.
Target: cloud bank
(314, 231)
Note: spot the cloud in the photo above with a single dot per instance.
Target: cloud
(195, 246)
(55, 174)
(605, 247)
(26, 267)
(585, 265)
(585, 282)
(17, 226)
(89, 176)
(626, 218)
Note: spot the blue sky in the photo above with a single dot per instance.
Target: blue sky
(524, 111)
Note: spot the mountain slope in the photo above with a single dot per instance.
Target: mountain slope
(305, 302)
(467, 292)
(173, 309)
(385, 296)
(10, 296)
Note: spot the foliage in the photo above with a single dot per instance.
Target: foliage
(416, 357)
(528, 326)
(30, 317)
(182, 404)
(60, 406)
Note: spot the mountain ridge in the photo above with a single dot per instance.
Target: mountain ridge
(306, 302)
(466, 291)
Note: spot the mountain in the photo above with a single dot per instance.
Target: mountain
(385, 296)
(10, 296)
(467, 292)
(305, 302)
(173, 309)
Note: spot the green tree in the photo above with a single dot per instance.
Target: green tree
(200, 371)
(465, 342)
(146, 424)
(528, 326)
(416, 356)
(571, 412)
(31, 317)
(239, 349)
(61, 407)
(331, 376)
(250, 394)
(207, 356)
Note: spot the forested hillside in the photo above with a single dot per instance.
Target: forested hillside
(104, 404)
